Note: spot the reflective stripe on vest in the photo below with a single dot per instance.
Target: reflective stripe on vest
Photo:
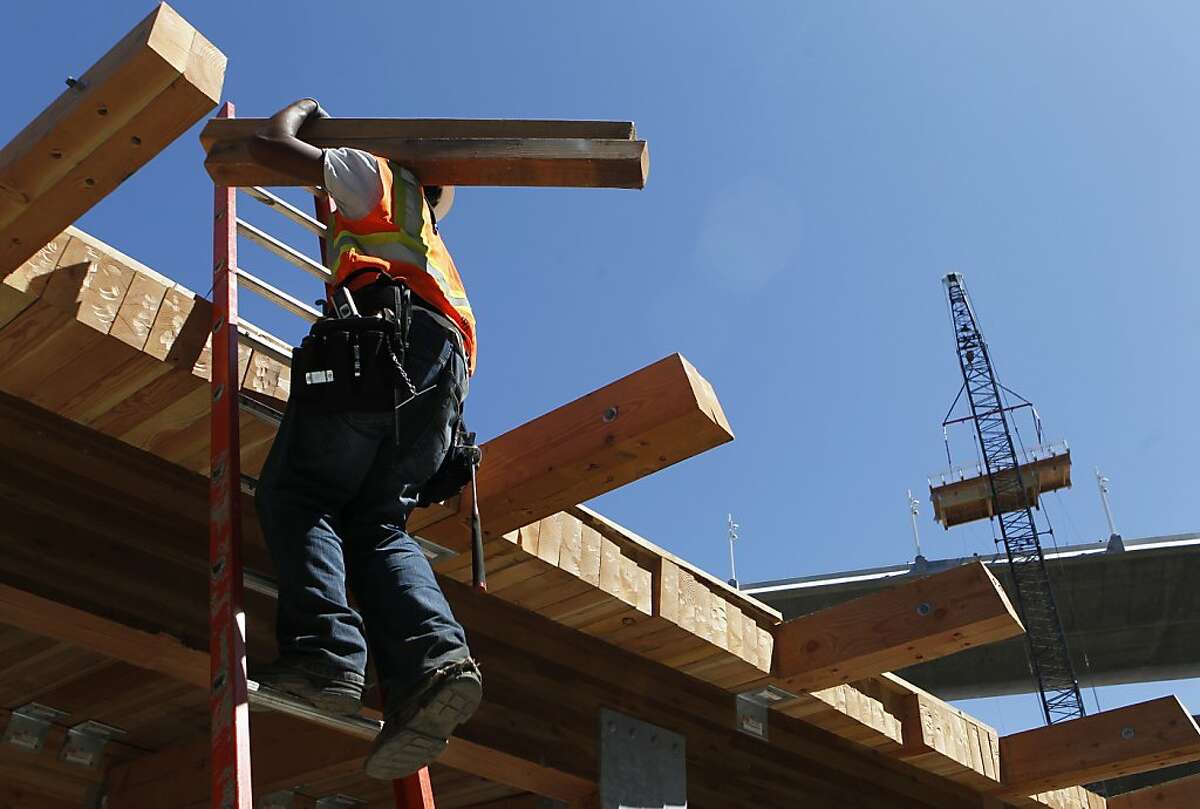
(398, 238)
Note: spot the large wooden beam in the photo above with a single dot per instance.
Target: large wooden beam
(160, 653)
(1137, 738)
(364, 133)
(1182, 793)
(642, 423)
(923, 620)
(146, 91)
(577, 154)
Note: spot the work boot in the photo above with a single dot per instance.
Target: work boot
(334, 693)
(418, 725)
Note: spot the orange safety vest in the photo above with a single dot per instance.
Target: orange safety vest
(398, 238)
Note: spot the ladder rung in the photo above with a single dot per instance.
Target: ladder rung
(284, 251)
(254, 337)
(286, 208)
(277, 296)
(261, 411)
(351, 725)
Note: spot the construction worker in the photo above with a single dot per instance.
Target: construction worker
(345, 473)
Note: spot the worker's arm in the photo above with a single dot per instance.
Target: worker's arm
(276, 145)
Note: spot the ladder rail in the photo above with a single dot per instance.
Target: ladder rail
(228, 699)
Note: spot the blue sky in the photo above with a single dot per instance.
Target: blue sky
(815, 169)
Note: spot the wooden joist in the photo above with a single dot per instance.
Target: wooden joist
(1182, 793)
(559, 568)
(851, 713)
(1133, 739)
(647, 555)
(643, 422)
(1067, 798)
(576, 154)
(922, 620)
(146, 91)
(166, 655)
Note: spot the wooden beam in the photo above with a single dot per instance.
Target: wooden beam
(1137, 738)
(922, 620)
(1182, 793)
(574, 154)
(362, 133)
(146, 91)
(642, 423)
(160, 653)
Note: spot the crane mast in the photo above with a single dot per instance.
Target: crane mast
(1048, 656)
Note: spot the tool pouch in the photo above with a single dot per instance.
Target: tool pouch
(454, 474)
(352, 363)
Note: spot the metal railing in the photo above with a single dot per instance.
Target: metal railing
(957, 474)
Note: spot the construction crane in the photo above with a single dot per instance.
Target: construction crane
(1012, 489)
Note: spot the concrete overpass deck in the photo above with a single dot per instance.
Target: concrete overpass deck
(1132, 608)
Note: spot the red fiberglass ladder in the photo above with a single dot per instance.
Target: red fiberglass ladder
(231, 690)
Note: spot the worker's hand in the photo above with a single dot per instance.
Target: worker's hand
(276, 144)
(287, 122)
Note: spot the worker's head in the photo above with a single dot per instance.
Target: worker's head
(440, 198)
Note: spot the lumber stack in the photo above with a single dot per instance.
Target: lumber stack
(938, 737)
(141, 95)
(91, 334)
(571, 154)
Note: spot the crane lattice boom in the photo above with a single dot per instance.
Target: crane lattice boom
(1048, 654)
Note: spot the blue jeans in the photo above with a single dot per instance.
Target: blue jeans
(333, 499)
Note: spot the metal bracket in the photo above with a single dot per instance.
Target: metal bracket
(28, 725)
(284, 799)
(753, 707)
(339, 802)
(434, 552)
(641, 765)
(86, 741)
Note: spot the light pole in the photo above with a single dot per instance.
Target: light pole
(914, 508)
(1114, 537)
(732, 528)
